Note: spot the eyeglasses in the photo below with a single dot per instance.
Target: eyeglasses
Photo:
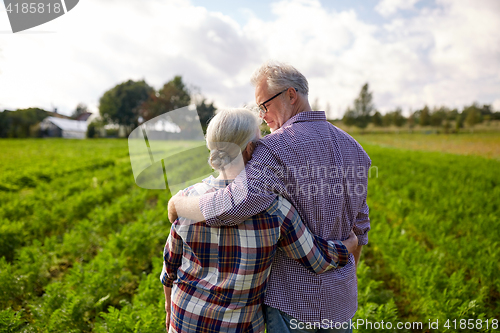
(262, 107)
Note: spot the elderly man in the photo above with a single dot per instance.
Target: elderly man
(323, 172)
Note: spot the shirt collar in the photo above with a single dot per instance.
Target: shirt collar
(306, 116)
(217, 183)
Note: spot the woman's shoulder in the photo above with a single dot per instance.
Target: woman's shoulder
(200, 188)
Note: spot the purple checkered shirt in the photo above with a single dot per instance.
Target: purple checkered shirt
(323, 172)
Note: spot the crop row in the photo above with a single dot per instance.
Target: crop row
(53, 208)
(77, 245)
(110, 279)
(433, 233)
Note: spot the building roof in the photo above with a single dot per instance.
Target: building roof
(68, 124)
(84, 116)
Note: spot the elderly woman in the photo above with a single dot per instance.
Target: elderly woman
(215, 278)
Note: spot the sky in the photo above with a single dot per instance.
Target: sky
(411, 52)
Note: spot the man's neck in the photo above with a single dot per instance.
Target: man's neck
(300, 108)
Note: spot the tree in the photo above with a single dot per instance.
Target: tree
(459, 122)
(173, 95)
(473, 114)
(397, 117)
(446, 126)
(473, 117)
(96, 129)
(411, 120)
(205, 112)
(121, 104)
(91, 130)
(377, 119)
(424, 119)
(21, 123)
(436, 119)
(349, 118)
(485, 111)
(387, 119)
(453, 114)
(360, 115)
(80, 109)
(487, 118)
(439, 115)
(394, 117)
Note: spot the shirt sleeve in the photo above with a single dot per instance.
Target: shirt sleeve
(311, 251)
(253, 191)
(362, 224)
(172, 258)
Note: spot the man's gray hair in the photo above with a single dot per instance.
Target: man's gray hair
(280, 76)
(228, 134)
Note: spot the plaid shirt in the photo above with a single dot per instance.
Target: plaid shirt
(323, 172)
(219, 274)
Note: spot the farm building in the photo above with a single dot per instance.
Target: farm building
(64, 128)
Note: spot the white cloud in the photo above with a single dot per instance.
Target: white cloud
(390, 7)
(458, 52)
(444, 55)
(429, 58)
(100, 44)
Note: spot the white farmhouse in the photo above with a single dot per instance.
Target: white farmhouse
(64, 128)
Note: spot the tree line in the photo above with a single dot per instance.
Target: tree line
(133, 102)
(127, 104)
(363, 112)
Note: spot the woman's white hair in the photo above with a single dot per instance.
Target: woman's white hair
(228, 134)
(280, 76)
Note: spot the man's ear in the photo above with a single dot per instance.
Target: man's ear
(293, 95)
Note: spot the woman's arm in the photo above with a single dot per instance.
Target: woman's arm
(311, 251)
(172, 260)
(168, 305)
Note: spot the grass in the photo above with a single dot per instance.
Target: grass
(478, 144)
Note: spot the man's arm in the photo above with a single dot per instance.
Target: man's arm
(250, 193)
(357, 254)
(361, 228)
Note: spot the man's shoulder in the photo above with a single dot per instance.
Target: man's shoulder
(272, 139)
(348, 142)
(344, 135)
(281, 139)
(286, 135)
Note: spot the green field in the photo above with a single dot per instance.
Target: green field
(81, 244)
(485, 144)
